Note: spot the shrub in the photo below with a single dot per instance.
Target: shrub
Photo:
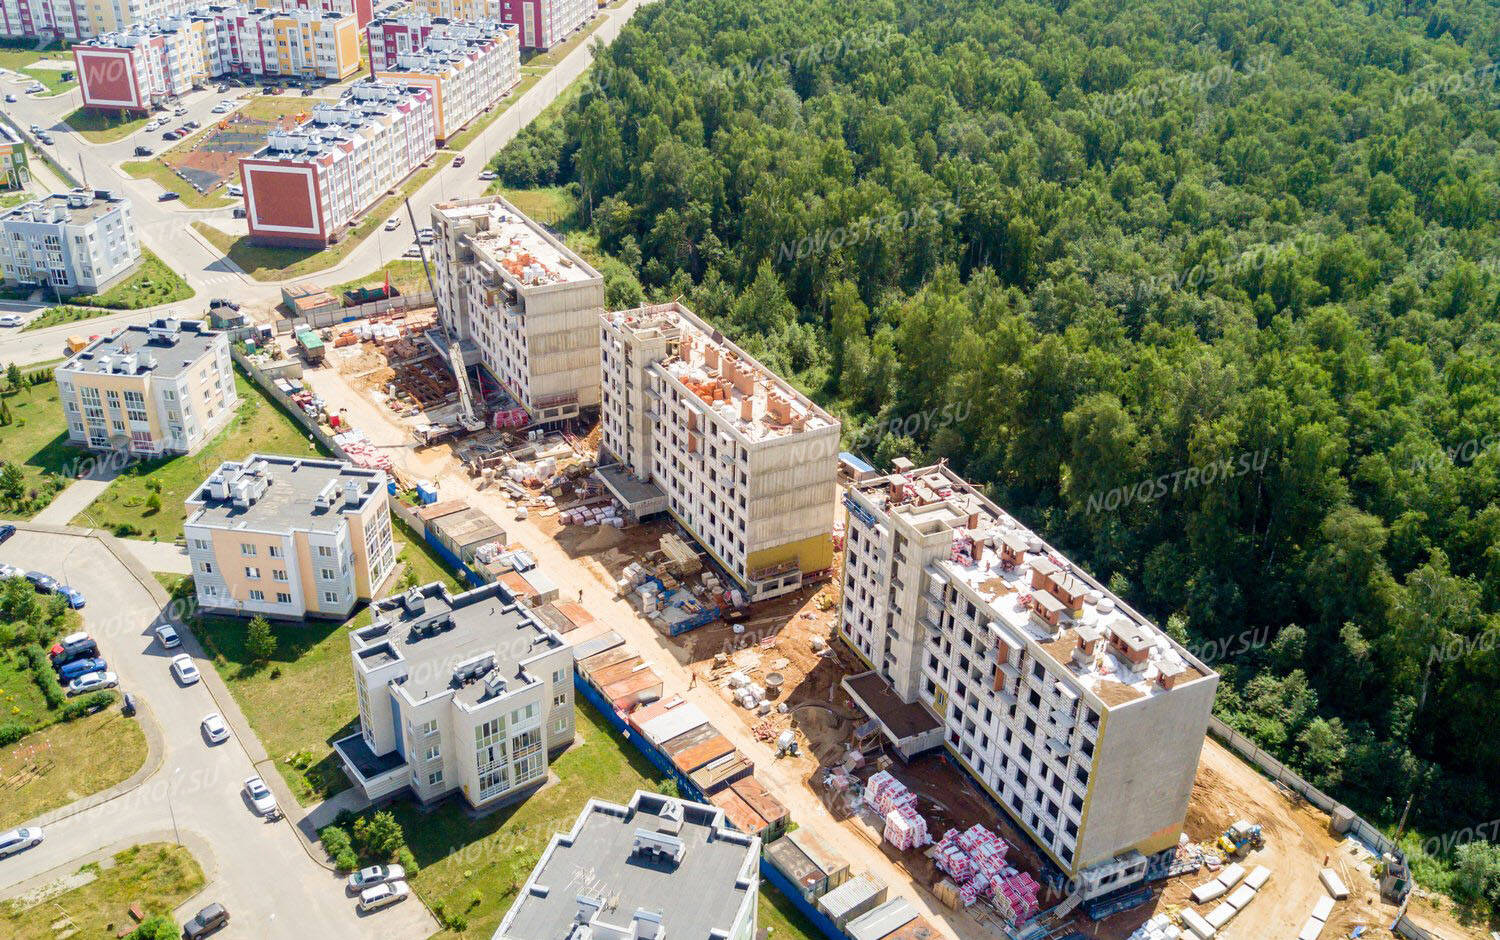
(88, 704)
(408, 861)
(44, 677)
(340, 850)
(11, 733)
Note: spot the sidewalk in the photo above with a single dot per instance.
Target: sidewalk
(79, 495)
(168, 557)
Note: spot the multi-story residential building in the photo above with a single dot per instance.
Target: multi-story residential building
(75, 20)
(362, 9)
(465, 692)
(15, 170)
(162, 388)
(289, 537)
(526, 303)
(308, 184)
(694, 425)
(81, 241)
(1073, 711)
(468, 66)
(291, 42)
(655, 868)
(541, 24)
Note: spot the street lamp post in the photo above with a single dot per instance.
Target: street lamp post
(176, 836)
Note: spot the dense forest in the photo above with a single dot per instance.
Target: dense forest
(1209, 293)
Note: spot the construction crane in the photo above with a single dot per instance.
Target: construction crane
(468, 416)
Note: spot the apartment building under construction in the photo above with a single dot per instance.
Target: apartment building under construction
(1077, 715)
(694, 426)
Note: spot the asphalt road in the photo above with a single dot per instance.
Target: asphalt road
(258, 869)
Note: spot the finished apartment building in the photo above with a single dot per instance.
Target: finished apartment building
(163, 388)
(79, 242)
(76, 20)
(540, 24)
(527, 304)
(1076, 713)
(310, 183)
(289, 537)
(15, 169)
(693, 425)
(467, 66)
(658, 867)
(363, 10)
(465, 692)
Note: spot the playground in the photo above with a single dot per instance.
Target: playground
(211, 159)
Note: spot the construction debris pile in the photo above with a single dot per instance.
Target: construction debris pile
(671, 604)
(897, 806)
(350, 440)
(975, 860)
(361, 452)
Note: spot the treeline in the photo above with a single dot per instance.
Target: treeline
(1118, 246)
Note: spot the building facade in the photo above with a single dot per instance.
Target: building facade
(467, 66)
(362, 9)
(15, 169)
(308, 184)
(694, 425)
(658, 867)
(76, 20)
(1073, 711)
(79, 242)
(289, 537)
(291, 42)
(466, 693)
(163, 388)
(540, 24)
(527, 303)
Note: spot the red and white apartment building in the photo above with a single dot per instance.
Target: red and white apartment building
(78, 19)
(308, 184)
(468, 66)
(363, 10)
(541, 24)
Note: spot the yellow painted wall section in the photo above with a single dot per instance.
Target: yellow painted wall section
(362, 587)
(812, 554)
(305, 566)
(348, 47)
(105, 382)
(232, 562)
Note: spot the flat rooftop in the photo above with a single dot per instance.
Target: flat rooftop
(267, 493)
(1003, 561)
(76, 207)
(705, 875)
(519, 249)
(165, 348)
(364, 106)
(905, 720)
(467, 643)
(758, 402)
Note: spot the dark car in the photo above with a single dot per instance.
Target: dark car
(191, 125)
(220, 302)
(168, 197)
(43, 582)
(143, 151)
(206, 921)
(79, 667)
(127, 707)
(6, 531)
(167, 135)
(61, 656)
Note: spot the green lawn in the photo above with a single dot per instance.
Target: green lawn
(157, 876)
(21, 57)
(406, 276)
(476, 127)
(556, 54)
(265, 263)
(161, 174)
(36, 441)
(550, 205)
(105, 127)
(272, 107)
(66, 761)
(259, 425)
(152, 283)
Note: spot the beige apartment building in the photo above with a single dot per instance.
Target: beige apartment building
(693, 425)
(289, 537)
(1074, 712)
(163, 388)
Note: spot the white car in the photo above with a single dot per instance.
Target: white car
(488, 175)
(18, 839)
(260, 796)
(183, 668)
(93, 682)
(11, 319)
(235, 190)
(384, 895)
(367, 878)
(10, 571)
(215, 728)
(392, 224)
(168, 636)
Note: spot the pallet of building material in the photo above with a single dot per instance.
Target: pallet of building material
(1197, 925)
(1333, 883)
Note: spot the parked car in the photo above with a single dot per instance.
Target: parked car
(458, 161)
(206, 921)
(168, 197)
(35, 128)
(392, 224)
(215, 728)
(235, 190)
(384, 895)
(127, 707)
(93, 682)
(238, 212)
(42, 582)
(143, 151)
(183, 669)
(11, 99)
(6, 531)
(36, 88)
(69, 671)
(261, 797)
(168, 636)
(20, 839)
(168, 135)
(488, 175)
(10, 571)
(10, 319)
(73, 595)
(190, 126)
(179, 112)
(367, 878)
(71, 647)
(412, 251)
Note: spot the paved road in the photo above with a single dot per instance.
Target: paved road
(258, 869)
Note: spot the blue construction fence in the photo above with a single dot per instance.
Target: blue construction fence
(690, 791)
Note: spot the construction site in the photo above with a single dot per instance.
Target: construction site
(771, 673)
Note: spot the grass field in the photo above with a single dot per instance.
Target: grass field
(406, 276)
(70, 760)
(265, 263)
(36, 441)
(101, 127)
(152, 283)
(258, 425)
(550, 205)
(157, 876)
(23, 59)
(161, 174)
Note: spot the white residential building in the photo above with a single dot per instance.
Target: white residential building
(465, 692)
(693, 425)
(82, 241)
(527, 305)
(468, 66)
(1073, 711)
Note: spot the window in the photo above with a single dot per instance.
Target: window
(326, 574)
(200, 545)
(559, 700)
(247, 549)
(324, 551)
(434, 778)
(329, 597)
(559, 726)
(283, 597)
(257, 595)
(431, 753)
(252, 573)
(493, 781)
(278, 574)
(274, 551)
(559, 676)
(522, 714)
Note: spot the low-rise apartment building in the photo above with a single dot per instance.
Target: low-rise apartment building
(290, 42)
(289, 537)
(310, 183)
(468, 66)
(692, 424)
(465, 692)
(658, 867)
(524, 300)
(363, 10)
(72, 20)
(79, 242)
(540, 24)
(1074, 712)
(15, 169)
(162, 388)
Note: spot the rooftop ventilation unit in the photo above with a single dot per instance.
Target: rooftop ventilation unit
(414, 601)
(471, 669)
(658, 846)
(495, 684)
